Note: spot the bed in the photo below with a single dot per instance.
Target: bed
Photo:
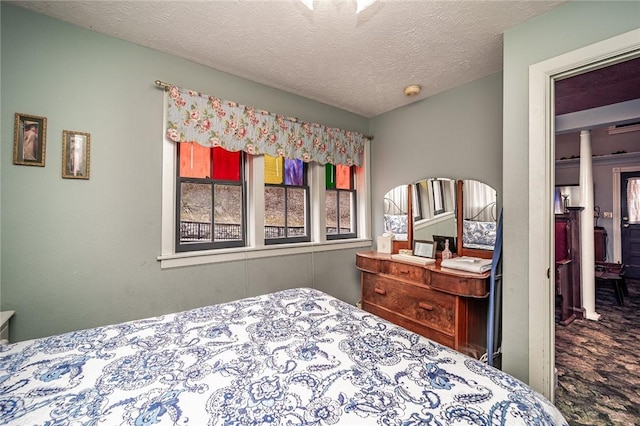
(292, 357)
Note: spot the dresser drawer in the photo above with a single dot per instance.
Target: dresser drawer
(367, 264)
(459, 284)
(407, 272)
(428, 332)
(420, 304)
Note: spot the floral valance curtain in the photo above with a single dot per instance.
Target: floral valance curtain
(213, 122)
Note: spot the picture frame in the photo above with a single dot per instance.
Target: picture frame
(29, 140)
(76, 149)
(424, 248)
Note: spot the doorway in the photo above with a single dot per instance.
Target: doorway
(541, 184)
(630, 223)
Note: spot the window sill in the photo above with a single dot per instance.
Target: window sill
(204, 257)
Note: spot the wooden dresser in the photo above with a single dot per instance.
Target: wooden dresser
(449, 307)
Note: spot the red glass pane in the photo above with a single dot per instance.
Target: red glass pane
(343, 177)
(226, 164)
(195, 160)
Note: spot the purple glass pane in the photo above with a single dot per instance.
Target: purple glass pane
(293, 172)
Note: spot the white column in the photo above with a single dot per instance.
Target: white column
(587, 257)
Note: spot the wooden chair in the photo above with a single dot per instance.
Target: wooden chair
(613, 273)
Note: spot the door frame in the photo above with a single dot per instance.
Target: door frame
(542, 75)
(617, 220)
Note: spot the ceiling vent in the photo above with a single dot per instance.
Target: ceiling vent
(624, 128)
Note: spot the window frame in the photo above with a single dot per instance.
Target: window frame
(307, 207)
(437, 191)
(210, 245)
(353, 194)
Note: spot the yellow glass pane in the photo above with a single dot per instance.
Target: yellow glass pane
(273, 169)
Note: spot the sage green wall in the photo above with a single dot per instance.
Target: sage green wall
(455, 134)
(0, 164)
(562, 30)
(77, 253)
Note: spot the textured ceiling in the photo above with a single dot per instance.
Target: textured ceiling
(357, 62)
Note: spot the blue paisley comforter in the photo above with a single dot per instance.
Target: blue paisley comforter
(295, 357)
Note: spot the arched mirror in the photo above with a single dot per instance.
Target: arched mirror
(477, 203)
(433, 205)
(434, 211)
(396, 212)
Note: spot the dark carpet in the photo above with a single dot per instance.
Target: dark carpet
(598, 362)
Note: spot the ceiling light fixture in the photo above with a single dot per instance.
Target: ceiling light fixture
(363, 4)
(360, 4)
(308, 3)
(412, 90)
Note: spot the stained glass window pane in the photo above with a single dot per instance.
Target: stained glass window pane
(633, 199)
(330, 179)
(343, 177)
(293, 172)
(195, 160)
(226, 164)
(273, 170)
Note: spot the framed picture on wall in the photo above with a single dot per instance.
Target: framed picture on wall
(75, 154)
(29, 140)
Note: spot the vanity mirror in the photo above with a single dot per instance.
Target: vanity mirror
(396, 212)
(434, 209)
(432, 204)
(477, 225)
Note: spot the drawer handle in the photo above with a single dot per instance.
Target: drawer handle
(425, 306)
(405, 271)
(380, 291)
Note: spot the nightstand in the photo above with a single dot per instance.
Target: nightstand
(4, 326)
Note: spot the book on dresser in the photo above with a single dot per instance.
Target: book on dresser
(419, 260)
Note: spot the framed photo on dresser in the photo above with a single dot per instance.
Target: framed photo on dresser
(424, 248)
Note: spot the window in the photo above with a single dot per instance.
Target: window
(195, 178)
(438, 198)
(286, 201)
(340, 201)
(210, 198)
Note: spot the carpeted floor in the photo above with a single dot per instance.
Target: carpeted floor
(598, 363)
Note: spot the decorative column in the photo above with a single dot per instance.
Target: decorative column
(586, 229)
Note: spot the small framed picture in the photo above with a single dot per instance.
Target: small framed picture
(75, 154)
(424, 248)
(29, 140)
